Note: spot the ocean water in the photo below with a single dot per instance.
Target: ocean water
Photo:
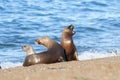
(97, 26)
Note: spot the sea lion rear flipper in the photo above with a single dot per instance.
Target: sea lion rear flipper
(60, 59)
(26, 63)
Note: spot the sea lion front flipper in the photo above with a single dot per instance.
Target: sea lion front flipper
(76, 56)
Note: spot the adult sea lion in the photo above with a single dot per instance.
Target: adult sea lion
(55, 51)
(68, 44)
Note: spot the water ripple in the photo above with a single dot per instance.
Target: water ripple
(23, 21)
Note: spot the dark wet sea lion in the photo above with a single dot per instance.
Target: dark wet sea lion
(68, 44)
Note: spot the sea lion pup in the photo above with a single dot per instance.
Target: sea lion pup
(45, 57)
(68, 44)
(55, 51)
(31, 57)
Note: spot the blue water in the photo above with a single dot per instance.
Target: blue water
(97, 26)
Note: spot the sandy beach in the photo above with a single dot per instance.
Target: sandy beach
(96, 69)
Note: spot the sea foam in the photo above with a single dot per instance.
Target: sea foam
(86, 55)
(6, 65)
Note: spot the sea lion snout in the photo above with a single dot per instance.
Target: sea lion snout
(37, 41)
(71, 27)
(23, 47)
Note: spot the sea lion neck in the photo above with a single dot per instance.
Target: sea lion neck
(66, 36)
(49, 44)
(66, 39)
(30, 51)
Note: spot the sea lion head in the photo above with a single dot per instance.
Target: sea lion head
(26, 47)
(42, 40)
(46, 41)
(69, 30)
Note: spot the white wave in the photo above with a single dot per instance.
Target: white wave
(83, 56)
(93, 55)
(6, 65)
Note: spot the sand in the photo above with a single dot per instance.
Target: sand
(96, 69)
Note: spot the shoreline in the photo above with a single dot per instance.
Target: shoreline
(95, 69)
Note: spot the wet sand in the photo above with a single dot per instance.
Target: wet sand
(96, 69)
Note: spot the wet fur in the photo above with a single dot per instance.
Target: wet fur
(68, 44)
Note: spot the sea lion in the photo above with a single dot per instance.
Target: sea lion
(55, 50)
(33, 58)
(68, 44)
